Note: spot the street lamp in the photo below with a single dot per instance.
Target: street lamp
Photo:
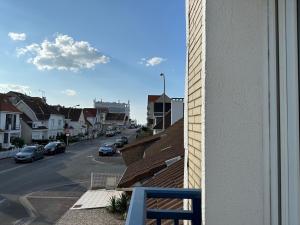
(67, 135)
(164, 100)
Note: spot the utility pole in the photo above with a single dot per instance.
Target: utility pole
(68, 117)
(164, 100)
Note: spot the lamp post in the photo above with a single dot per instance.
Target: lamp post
(164, 100)
(67, 135)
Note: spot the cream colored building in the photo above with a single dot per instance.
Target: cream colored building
(242, 110)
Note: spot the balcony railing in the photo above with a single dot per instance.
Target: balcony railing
(138, 212)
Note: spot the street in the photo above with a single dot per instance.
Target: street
(39, 193)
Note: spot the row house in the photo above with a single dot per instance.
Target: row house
(94, 120)
(10, 126)
(75, 122)
(40, 121)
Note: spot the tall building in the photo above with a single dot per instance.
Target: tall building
(114, 107)
(117, 113)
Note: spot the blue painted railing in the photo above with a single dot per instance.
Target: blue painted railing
(138, 213)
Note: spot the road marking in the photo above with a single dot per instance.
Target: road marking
(11, 169)
(17, 167)
(3, 200)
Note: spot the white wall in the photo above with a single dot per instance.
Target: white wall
(176, 111)
(55, 128)
(25, 108)
(2, 120)
(26, 132)
(235, 74)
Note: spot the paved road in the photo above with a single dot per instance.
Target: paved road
(40, 193)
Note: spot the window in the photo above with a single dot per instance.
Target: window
(52, 123)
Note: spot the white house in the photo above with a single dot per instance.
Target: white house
(75, 122)
(39, 119)
(94, 121)
(10, 127)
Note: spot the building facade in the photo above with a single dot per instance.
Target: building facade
(10, 126)
(40, 121)
(242, 110)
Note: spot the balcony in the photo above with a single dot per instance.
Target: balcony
(138, 212)
(11, 127)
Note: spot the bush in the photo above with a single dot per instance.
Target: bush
(18, 142)
(122, 203)
(112, 205)
(119, 205)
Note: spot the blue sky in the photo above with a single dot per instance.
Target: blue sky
(80, 50)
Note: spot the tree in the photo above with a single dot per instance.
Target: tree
(18, 142)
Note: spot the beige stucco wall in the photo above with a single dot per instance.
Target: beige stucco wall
(226, 85)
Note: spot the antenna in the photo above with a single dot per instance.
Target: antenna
(42, 92)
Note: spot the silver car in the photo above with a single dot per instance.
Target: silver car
(30, 154)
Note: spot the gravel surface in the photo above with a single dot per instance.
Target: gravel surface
(89, 217)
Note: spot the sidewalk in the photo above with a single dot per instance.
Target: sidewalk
(90, 209)
(9, 153)
(89, 217)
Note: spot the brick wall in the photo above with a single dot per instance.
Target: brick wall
(195, 96)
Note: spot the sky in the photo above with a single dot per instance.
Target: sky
(73, 52)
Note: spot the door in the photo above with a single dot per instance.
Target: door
(5, 141)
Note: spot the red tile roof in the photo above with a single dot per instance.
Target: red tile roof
(153, 98)
(90, 112)
(169, 146)
(141, 142)
(6, 105)
(170, 177)
(38, 105)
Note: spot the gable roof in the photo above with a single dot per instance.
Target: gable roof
(6, 105)
(153, 98)
(70, 113)
(169, 146)
(90, 112)
(38, 105)
(140, 142)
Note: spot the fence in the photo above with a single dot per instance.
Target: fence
(9, 153)
(104, 180)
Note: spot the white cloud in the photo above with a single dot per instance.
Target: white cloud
(17, 36)
(63, 54)
(69, 92)
(14, 87)
(154, 61)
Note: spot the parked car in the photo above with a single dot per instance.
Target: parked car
(110, 133)
(118, 131)
(107, 149)
(119, 143)
(125, 140)
(30, 154)
(55, 147)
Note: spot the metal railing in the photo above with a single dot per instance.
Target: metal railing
(138, 212)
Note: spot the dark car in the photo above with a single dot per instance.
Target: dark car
(119, 143)
(107, 149)
(110, 133)
(30, 154)
(55, 147)
(125, 140)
